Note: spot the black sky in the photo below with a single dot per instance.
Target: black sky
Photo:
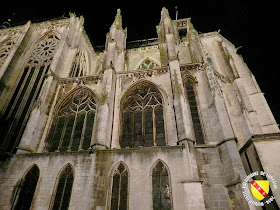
(250, 24)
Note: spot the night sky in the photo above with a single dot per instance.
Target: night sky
(250, 24)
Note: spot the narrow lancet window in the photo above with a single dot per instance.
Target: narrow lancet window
(64, 189)
(161, 187)
(27, 189)
(119, 198)
(142, 118)
(194, 112)
(73, 124)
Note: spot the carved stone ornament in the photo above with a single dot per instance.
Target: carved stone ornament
(213, 81)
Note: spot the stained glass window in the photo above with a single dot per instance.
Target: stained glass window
(26, 92)
(27, 189)
(148, 64)
(194, 112)
(64, 189)
(73, 124)
(119, 194)
(79, 67)
(142, 118)
(161, 187)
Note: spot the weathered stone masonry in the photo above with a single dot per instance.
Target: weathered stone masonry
(207, 141)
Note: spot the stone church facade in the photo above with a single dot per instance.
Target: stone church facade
(175, 122)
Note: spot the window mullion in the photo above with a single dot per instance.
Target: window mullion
(83, 131)
(154, 126)
(63, 133)
(119, 194)
(73, 131)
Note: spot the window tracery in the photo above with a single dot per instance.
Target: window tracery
(26, 92)
(64, 189)
(79, 67)
(161, 187)
(148, 64)
(4, 51)
(119, 196)
(27, 189)
(73, 124)
(142, 118)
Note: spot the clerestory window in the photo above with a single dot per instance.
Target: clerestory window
(73, 123)
(142, 118)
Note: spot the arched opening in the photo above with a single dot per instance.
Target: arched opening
(142, 118)
(119, 193)
(63, 188)
(73, 122)
(161, 189)
(26, 190)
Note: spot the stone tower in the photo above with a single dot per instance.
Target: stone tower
(174, 122)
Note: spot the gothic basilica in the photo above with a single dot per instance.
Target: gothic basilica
(173, 122)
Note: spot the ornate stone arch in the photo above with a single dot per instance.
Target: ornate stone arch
(142, 116)
(73, 121)
(5, 47)
(147, 63)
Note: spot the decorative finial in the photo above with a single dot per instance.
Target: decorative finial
(190, 25)
(164, 13)
(118, 19)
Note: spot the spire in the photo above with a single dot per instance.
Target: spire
(190, 25)
(164, 13)
(118, 20)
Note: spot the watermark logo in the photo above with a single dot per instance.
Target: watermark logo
(259, 188)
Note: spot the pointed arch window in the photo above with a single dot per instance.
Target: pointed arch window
(191, 96)
(26, 92)
(79, 67)
(119, 194)
(63, 189)
(161, 187)
(73, 123)
(25, 193)
(148, 64)
(142, 118)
